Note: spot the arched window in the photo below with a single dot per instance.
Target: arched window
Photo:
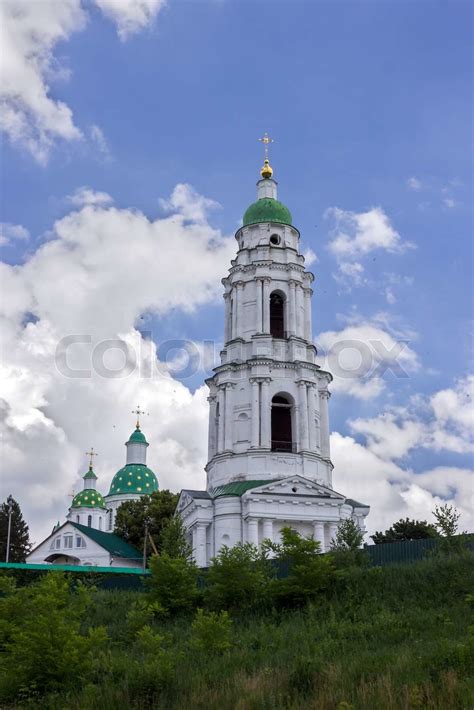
(111, 519)
(89, 520)
(277, 315)
(78, 518)
(100, 523)
(282, 437)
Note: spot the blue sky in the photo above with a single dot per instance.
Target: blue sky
(370, 105)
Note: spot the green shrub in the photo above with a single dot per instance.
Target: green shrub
(43, 647)
(238, 579)
(173, 583)
(211, 632)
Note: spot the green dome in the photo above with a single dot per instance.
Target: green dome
(133, 478)
(138, 437)
(267, 210)
(88, 498)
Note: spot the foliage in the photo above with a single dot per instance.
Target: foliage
(174, 540)
(156, 508)
(173, 583)
(42, 642)
(406, 530)
(309, 572)
(348, 536)
(211, 632)
(447, 519)
(238, 578)
(19, 534)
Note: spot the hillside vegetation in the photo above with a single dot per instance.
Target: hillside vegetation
(394, 637)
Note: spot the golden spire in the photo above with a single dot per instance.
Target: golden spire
(138, 412)
(91, 453)
(266, 171)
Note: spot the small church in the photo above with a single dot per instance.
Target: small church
(269, 462)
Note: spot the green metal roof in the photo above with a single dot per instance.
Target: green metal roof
(267, 210)
(138, 437)
(90, 474)
(88, 498)
(110, 542)
(237, 488)
(133, 478)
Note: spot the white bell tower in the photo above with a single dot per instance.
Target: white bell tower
(268, 399)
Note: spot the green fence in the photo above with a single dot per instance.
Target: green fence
(389, 553)
(101, 577)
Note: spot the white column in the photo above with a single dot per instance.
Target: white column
(299, 310)
(220, 433)
(255, 441)
(266, 305)
(311, 418)
(319, 534)
(211, 437)
(258, 299)
(307, 314)
(252, 531)
(193, 544)
(233, 333)
(240, 307)
(201, 551)
(303, 410)
(291, 325)
(268, 529)
(324, 420)
(332, 531)
(228, 424)
(227, 321)
(265, 416)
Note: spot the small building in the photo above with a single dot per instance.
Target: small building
(76, 544)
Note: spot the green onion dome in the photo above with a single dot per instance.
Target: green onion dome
(88, 498)
(133, 478)
(138, 437)
(267, 209)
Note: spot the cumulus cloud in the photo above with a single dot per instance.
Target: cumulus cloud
(355, 235)
(30, 32)
(102, 269)
(86, 196)
(363, 354)
(9, 232)
(414, 184)
(130, 16)
(187, 202)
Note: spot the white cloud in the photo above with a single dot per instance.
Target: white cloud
(355, 235)
(131, 16)
(449, 203)
(9, 232)
(86, 196)
(414, 184)
(363, 353)
(310, 257)
(98, 138)
(103, 268)
(30, 31)
(187, 202)
(390, 296)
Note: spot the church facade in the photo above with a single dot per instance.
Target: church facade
(269, 461)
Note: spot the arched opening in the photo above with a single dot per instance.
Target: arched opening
(111, 519)
(89, 521)
(277, 315)
(282, 436)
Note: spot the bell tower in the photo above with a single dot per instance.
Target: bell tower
(268, 399)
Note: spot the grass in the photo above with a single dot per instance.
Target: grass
(390, 638)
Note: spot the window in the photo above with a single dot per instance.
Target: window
(277, 315)
(80, 542)
(111, 519)
(68, 542)
(89, 520)
(78, 518)
(100, 523)
(57, 543)
(282, 438)
(275, 240)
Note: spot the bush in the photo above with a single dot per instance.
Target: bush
(173, 583)
(211, 632)
(238, 579)
(43, 647)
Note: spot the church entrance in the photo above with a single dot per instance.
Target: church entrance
(282, 438)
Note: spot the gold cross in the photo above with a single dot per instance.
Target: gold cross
(266, 140)
(139, 412)
(91, 453)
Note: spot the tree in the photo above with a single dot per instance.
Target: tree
(19, 534)
(173, 539)
(406, 530)
(238, 578)
(309, 572)
(447, 518)
(349, 536)
(157, 508)
(172, 583)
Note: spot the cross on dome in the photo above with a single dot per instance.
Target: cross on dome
(139, 412)
(91, 453)
(267, 170)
